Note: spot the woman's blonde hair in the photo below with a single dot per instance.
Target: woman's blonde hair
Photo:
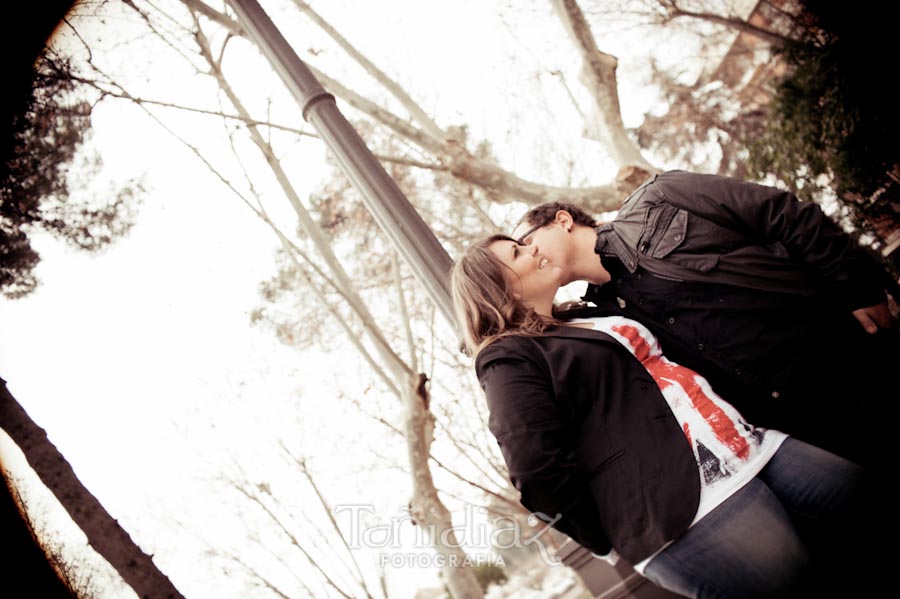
(484, 304)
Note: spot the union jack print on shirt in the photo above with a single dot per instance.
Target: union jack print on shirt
(723, 442)
(728, 450)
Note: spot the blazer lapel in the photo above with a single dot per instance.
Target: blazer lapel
(579, 333)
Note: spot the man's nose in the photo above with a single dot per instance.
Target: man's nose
(532, 249)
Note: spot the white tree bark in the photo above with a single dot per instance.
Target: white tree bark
(393, 362)
(598, 75)
(425, 504)
(503, 185)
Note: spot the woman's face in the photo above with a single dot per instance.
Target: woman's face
(532, 278)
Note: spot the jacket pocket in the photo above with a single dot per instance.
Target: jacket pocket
(672, 234)
(698, 262)
(663, 231)
(675, 236)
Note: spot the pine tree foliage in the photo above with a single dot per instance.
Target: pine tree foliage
(50, 182)
(831, 115)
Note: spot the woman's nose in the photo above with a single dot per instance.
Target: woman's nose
(532, 249)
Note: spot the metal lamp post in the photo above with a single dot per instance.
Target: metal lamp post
(393, 212)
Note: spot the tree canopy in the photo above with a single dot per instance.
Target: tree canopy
(47, 182)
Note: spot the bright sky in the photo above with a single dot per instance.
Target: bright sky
(140, 362)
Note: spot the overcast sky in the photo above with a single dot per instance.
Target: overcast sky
(140, 361)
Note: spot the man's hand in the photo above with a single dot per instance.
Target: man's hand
(873, 317)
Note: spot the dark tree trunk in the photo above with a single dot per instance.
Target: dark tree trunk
(102, 530)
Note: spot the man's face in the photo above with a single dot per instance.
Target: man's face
(554, 241)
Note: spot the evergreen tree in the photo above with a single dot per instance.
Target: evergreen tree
(831, 114)
(44, 182)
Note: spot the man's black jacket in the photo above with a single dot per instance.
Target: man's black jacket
(754, 289)
(706, 228)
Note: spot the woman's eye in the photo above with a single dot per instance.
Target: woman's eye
(515, 252)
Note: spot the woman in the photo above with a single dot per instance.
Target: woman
(627, 452)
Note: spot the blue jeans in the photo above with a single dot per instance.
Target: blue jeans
(768, 538)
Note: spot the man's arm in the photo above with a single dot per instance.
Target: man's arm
(534, 443)
(767, 215)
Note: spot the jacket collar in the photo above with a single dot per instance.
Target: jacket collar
(609, 243)
(578, 333)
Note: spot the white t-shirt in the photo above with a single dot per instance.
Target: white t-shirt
(728, 450)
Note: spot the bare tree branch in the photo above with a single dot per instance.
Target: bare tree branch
(462, 163)
(599, 76)
(405, 321)
(138, 100)
(410, 162)
(412, 107)
(393, 362)
(328, 509)
(278, 522)
(221, 19)
(674, 11)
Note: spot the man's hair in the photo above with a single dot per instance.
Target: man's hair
(545, 213)
(485, 307)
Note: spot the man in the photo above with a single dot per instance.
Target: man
(760, 293)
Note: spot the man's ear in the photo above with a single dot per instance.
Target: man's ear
(564, 219)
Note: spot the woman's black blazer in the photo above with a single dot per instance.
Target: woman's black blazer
(589, 440)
